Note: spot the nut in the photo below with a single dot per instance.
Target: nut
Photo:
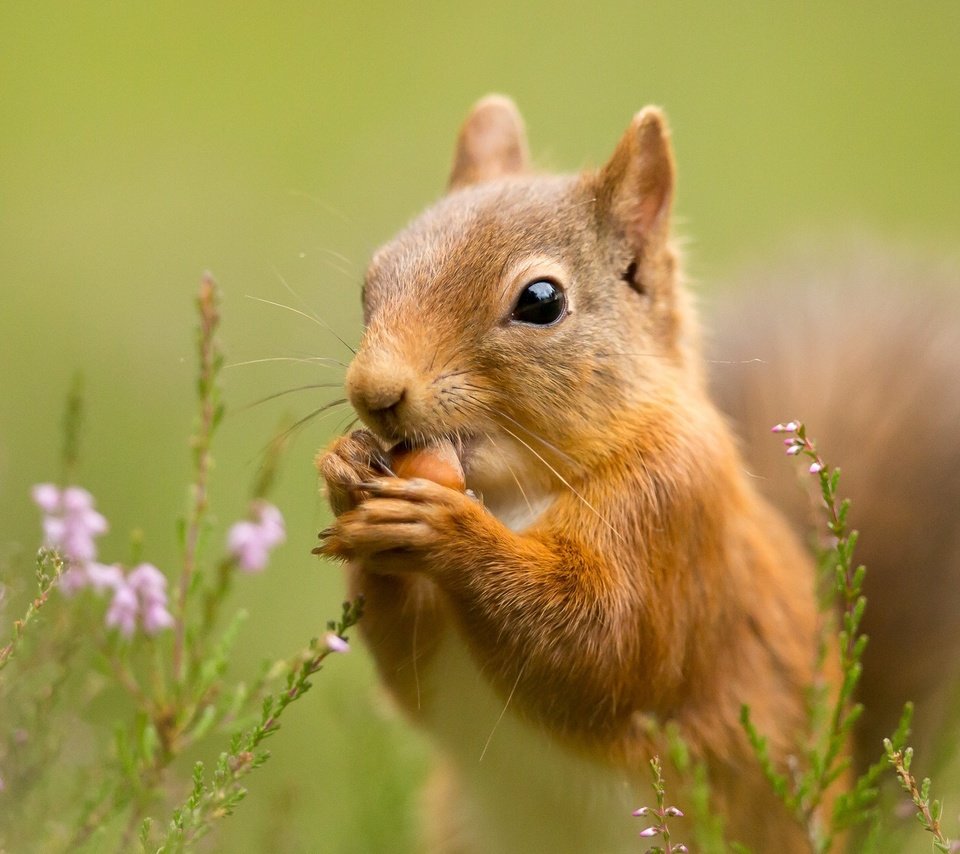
(437, 462)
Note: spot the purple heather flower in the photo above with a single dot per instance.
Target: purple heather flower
(147, 580)
(250, 542)
(47, 497)
(99, 576)
(816, 468)
(142, 594)
(794, 449)
(650, 831)
(150, 585)
(271, 524)
(102, 576)
(335, 643)
(156, 617)
(246, 543)
(122, 613)
(70, 522)
(789, 427)
(72, 579)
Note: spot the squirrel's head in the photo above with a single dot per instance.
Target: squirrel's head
(525, 315)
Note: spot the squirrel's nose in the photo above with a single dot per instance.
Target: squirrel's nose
(383, 399)
(378, 390)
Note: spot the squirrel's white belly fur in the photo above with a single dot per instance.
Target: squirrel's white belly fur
(518, 791)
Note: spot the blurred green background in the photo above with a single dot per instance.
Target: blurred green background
(142, 143)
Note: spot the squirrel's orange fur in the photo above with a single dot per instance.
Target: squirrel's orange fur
(619, 566)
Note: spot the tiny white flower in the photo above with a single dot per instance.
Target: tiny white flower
(335, 643)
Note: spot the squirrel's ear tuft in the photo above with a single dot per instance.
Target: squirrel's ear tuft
(635, 188)
(492, 143)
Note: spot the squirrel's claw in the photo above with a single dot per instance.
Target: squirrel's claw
(417, 518)
(415, 489)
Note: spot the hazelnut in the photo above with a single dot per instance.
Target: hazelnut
(437, 462)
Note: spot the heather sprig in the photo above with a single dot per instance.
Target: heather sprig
(928, 812)
(706, 829)
(210, 415)
(217, 797)
(803, 788)
(170, 663)
(832, 719)
(661, 813)
(49, 571)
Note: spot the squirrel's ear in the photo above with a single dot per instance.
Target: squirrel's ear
(492, 143)
(635, 188)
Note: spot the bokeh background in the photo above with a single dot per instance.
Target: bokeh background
(272, 142)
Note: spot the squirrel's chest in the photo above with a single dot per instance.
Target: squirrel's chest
(512, 787)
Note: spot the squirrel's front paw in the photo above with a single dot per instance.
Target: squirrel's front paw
(348, 462)
(407, 524)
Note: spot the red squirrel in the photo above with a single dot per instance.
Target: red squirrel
(607, 559)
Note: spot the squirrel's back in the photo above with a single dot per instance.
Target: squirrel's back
(865, 349)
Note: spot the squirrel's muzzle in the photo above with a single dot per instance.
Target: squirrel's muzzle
(384, 393)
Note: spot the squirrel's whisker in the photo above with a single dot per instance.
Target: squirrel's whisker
(540, 439)
(345, 267)
(321, 323)
(282, 437)
(333, 404)
(350, 425)
(448, 376)
(565, 482)
(321, 361)
(645, 355)
(503, 711)
(513, 474)
(288, 391)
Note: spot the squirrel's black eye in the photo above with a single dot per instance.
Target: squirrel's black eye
(541, 303)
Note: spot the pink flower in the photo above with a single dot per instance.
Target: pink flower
(47, 497)
(151, 586)
(156, 617)
(250, 542)
(99, 576)
(102, 577)
(70, 522)
(147, 580)
(246, 543)
(74, 578)
(70, 525)
(122, 613)
(816, 468)
(271, 525)
(142, 596)
(335, 643)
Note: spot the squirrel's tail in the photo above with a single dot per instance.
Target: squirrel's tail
(865, 351)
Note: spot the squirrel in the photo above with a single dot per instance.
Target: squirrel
(610, 561)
